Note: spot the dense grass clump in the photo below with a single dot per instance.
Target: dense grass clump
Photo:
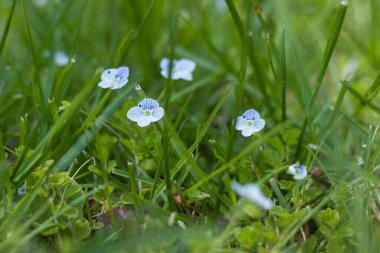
(81, 170)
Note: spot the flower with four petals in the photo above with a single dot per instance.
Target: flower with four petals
(298, 171)
(146, 112)
(249, 123)
(114, 78)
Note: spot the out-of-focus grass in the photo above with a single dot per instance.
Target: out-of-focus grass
(96, 182)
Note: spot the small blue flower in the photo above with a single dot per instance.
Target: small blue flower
(114, 78)
(22, 190)
(61, 59)
(146, 112)
(249, 123)
(298, 171)
(181, 69)
(253, 193)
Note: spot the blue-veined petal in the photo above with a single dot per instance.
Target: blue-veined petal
(251, 114)
(148, 103)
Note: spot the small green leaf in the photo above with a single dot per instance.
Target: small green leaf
(335, 246)
(98, 225)
(247, 238)
(329, 217)
(59, 179)
(100, 196)
(198, 195)
(344, 231)
(286, 185)
(64, 106)
(309, 245)
(81, 229)
(127, 198)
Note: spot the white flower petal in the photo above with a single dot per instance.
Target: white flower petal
(135, 113)
(148, 103)
(300, 175)
(118, 85)
(109, 75)
(251, 114)
(185, 65)
(258, 125)
(105, 84)
(247, 132)
(165, 73)
(164, 64)
(253, 193)
(241, 123)
(184, 75)
(157, 114)
(175, 75)
(144, 121)
(61, 59)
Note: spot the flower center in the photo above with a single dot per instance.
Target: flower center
(116, 78)
(147, 113)
(249, 123)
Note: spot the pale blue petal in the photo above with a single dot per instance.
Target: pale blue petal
(165, 73)
(144, 121)
(241, 123)
(148, 103)
(301, 175)
(157, 114)
(184, 75)
(119, 84)
(176, 75)
(135, 113)
(185, 65)
(61, 59)
(109, 75)
(258, 125)
(253, 193)
(123, 73)
(247, 132)
(251, 114)
(105, 84)
(164, 64)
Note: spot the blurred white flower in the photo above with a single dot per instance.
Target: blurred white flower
(40, 3)
(349, 69)
(114, 78)
(298, 171)
(146, 112)
(181, 69)
(61, 59)
(249, 123)
(253, 193)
